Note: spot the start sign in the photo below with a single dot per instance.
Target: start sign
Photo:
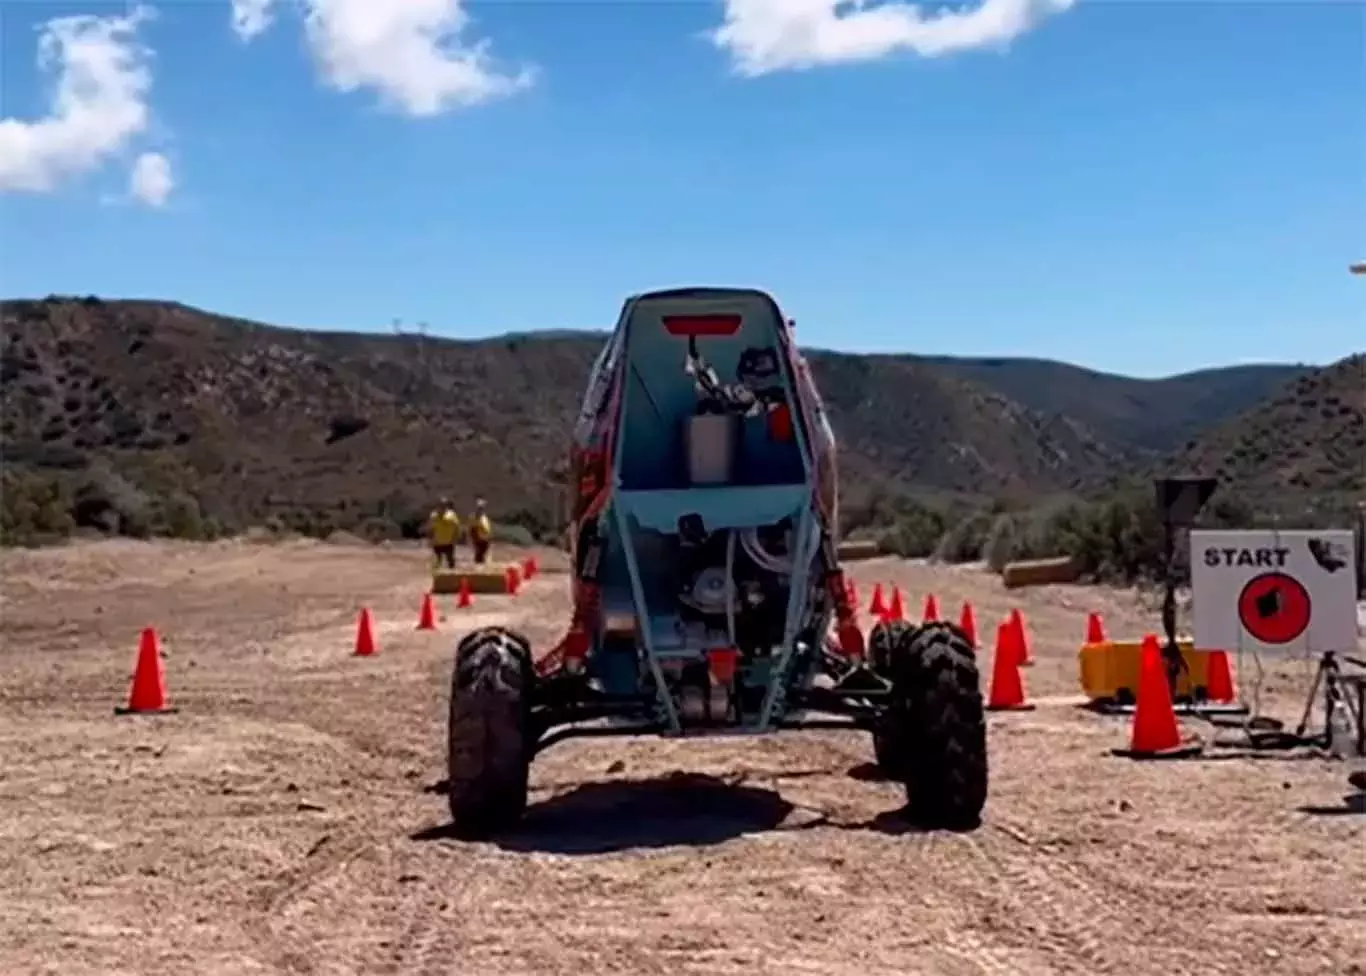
(1290, 593)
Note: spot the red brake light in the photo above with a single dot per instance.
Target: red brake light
(702, 325)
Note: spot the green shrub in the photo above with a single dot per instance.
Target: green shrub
(913, 535)
(1001, 543)
(379, 530)
(964, 541)
(33, 510)
(181, 517)
(901, 523)
(539, 523)
(107, 501)
(511, 534)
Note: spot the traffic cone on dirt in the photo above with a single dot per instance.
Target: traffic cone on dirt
(1007, 685)
(365, 634)
(878, 608)
(530, 567)
(426, 618)
(148, 691)
(1155, 731)
(465, 598)
(931, 612)
(1095, 628)
(896, 610)
(1220, 679)
(967, 623)
(1017, 624)
(512, 580)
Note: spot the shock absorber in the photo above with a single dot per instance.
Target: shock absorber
(587, 594)
(570, 652)
(850, 636)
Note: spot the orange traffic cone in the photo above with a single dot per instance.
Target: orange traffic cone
(896, 611)
(1017, 623)
(1095, 628)
(1007, 686)
(878, 608)
(967, 623)
(530, 567)
(365, 634)
(148, 691)
(1155, 733)
(931, 612)
(426, 618)
(465, 598)
(513, 580)
(851, 591)
(1220, 679)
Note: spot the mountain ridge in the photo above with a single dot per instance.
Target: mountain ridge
(249, 420)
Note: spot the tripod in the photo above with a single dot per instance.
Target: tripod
(1329, 677)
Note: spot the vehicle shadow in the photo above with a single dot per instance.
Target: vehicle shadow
(1352, 804)
(681, 809)
(617, 815)
(867, 772)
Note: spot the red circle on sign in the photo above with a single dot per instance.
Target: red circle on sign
(1274, 608)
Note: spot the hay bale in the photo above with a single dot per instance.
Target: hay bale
(482, 579)
(854, 550)
(1040, 572)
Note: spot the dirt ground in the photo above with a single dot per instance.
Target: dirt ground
(283, 821)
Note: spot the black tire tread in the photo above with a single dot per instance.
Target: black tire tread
(942, 726)
(883, 639)
(884, 642)
(488, 733)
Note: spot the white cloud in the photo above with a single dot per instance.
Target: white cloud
(98, 104)
(414, 53)
(151, 181)
(765, 36)
(251, 17)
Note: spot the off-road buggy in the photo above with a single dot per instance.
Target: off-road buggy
(705, 580)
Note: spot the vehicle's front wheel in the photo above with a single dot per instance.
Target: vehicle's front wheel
(488, 736)
(938, 724)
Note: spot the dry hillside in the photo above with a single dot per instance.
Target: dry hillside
(252, 420)
(140, 405)
(1308, 441)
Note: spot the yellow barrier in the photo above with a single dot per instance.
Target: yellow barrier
(1109, 671)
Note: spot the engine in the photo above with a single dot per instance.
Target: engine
(734, 586)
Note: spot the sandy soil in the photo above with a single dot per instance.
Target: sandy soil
(283, 821)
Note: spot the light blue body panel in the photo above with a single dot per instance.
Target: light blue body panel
(772, 481)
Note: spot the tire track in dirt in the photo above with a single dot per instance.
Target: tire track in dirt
(952, 894)
(429, 946)
(297, 952)
(1058, 903)
(329, 855)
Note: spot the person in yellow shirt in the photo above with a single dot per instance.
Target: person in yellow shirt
(444, 528)
(481, 532)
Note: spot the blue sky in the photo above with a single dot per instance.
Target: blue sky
(1142, 187)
